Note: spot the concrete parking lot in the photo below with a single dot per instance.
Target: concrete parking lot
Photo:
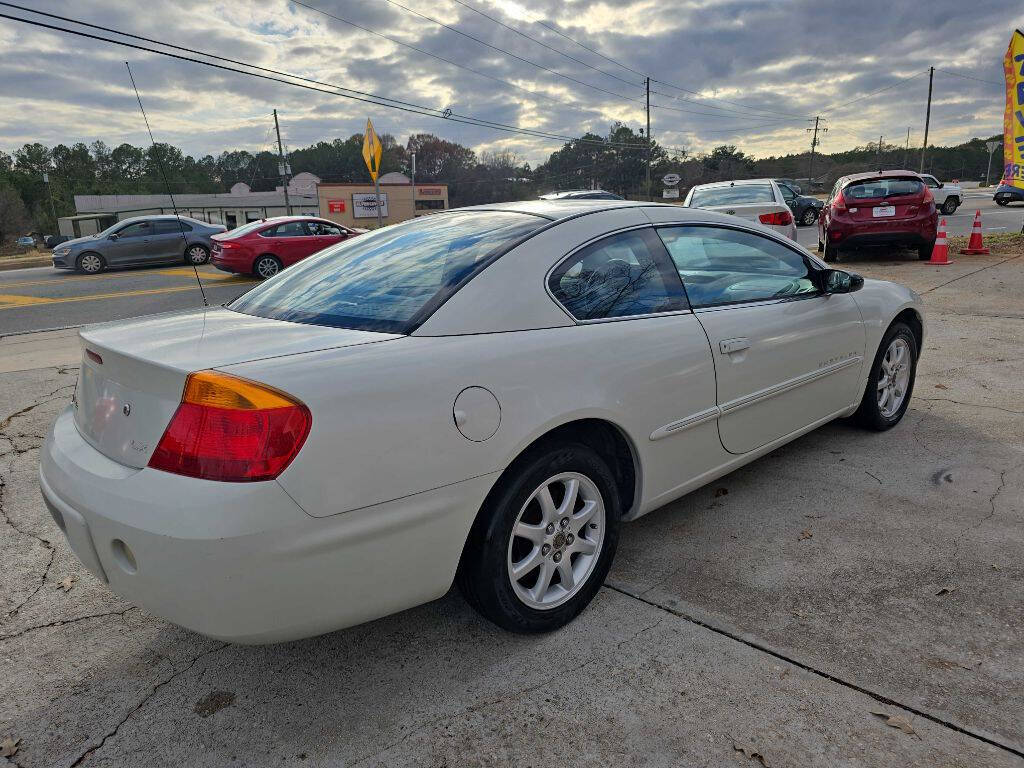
(852, 599)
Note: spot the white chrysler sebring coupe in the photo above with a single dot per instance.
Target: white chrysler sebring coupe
(480, 396)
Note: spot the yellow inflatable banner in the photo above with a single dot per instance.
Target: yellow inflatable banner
(1013, 119)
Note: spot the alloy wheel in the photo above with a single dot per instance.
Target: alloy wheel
(809, 217)
(556, 540)
(267, 267)
(893, 378)
(90, 262)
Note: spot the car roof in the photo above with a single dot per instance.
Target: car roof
(880, 175)
(555, 210)
(733, 183)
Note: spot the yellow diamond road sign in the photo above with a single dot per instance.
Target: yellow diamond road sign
(372, 150)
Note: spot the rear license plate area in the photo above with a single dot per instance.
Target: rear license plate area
(883, 211)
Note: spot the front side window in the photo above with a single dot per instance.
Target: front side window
(726, 266)
(738, 195)
(138, 229)
(618, 276)
(323, 228)
(392, 278)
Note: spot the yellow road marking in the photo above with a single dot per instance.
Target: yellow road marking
(203, 274)
(187, 272)
(19, 301)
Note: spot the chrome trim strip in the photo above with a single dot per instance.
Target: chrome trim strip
(786, 386)
(682, 425)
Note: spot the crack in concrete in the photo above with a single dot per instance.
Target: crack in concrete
(948, 282)
(806, 667)
(501, 699)
(145, 699)
(63, 622)
(969, 405)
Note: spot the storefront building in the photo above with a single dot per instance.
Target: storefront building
(355, 205)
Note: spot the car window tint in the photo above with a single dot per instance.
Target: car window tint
(170, 227)
(138, 229)
(288, 229)
(618, 276)
(726, 266)
(389, 279)
(741, 193)
(323, 228)
(871, 189)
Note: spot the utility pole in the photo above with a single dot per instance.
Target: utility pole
(879, 153)
(906, 149)
(53, 208)
(648, 138)
(927, 115)
(814, 143)
(282, 165)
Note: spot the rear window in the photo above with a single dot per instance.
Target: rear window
(872, 189)
(391, 279)
(738, 195)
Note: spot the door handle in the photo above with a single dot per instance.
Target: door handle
(728, 346)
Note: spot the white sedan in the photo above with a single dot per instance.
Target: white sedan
(758, 200)
(482, 396)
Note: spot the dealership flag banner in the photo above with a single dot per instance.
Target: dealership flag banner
(1013, 119)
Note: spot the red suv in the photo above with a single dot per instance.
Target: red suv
(883, 208)
(263, 248)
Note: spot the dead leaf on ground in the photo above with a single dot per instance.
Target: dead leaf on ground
(945, 591)
(805, 534)
(896, 721)
(941, 386)
(721, 492)
(67, 583)
(751, 754)
(9, 746)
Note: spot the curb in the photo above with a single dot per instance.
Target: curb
(9, 264)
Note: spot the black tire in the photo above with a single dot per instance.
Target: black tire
(949, 207)
(192, 254)
(924, 252)
(808, 217)
(1002, 203)
(85, 263)
(831, 251)
(266, 266)
(483, 576)
(869, 415)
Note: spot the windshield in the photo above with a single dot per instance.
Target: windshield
(738, 195)
(876, 188)
(390, 279)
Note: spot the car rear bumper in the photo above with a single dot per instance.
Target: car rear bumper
(920, 230)
(910, 239)
(243, 562)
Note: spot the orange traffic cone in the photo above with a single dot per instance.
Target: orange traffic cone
(975, 247)
(940, 252)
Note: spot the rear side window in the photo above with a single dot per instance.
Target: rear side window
(872, 189)
(171, 227)
(288, 229)
(618, 276)
(391, 279)
(738, 195)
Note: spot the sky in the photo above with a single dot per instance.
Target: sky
(752, 73)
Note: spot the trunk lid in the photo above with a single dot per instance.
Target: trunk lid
(749, 211)
(133, 373)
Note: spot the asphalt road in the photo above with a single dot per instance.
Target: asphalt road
(788, 609)
(43, 298)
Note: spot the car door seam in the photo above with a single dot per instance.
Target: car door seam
(785, 386)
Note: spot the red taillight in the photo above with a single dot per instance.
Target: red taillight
(231, 429)
(781, 219)
(227, 245)
(839, 204)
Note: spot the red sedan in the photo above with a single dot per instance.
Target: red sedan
(265, 247)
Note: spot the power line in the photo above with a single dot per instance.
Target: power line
(362, 96)
(970, 77)
(545, 45)
(901, 81)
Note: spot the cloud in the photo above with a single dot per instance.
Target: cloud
(743, 72)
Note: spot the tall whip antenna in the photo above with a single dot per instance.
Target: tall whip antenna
(163, 175)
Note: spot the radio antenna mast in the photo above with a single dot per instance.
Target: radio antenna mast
(163, 175)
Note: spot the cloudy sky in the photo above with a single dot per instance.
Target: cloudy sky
(745, 72)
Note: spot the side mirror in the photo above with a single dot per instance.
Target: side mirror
(114, 236)
(838, 281)
(941, 185)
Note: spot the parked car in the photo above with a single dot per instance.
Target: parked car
(792, 184)
(1006, 194)
(581, 194)
(482, 395)
(52, 241)
(881, 208)
(137, 241)
(948, 196)
(759, 200)
(27, 241)
(805, 209)
(265, 247)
